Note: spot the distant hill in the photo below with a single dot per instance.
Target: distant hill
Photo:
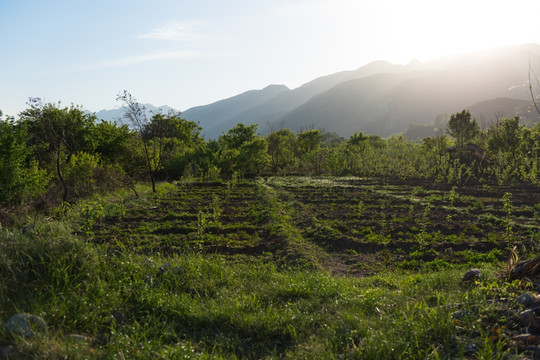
(116, 115)
(486, 113)
(383, 98)
(489, 111)
(387, 103)
(222, 115)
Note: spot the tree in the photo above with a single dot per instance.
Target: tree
(13, 152)
(243, 150)
(508, 145)
(462, 128)
(506, 136)
(282, 148)
(56, 134)
(309, 148)
(171, 138)
(111, 142)
(135, 114)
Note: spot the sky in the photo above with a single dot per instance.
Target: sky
(189, 53)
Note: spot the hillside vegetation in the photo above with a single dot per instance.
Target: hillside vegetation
(148, 241)
(275, 268)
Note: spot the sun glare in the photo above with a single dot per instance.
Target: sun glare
(425, 30)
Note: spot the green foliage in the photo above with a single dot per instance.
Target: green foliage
(282, 147)
(462, 128)
(244, 151)
(79, 173)
(21, 178)
(113, 143)
(41, 262)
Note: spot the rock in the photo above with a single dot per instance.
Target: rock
(25, 325)
(471, 276)
(101, 339)
(76, 338)
(177, 270)
(148, 262)
(168, 267)
(119, 317)
(28, 229)
(462, 314)
(534, 351)
(148, 280)
(528, 319)
(471, 349)
(5, 351)
(164, 267)
(526, 299)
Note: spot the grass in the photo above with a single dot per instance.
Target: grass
(292, 283)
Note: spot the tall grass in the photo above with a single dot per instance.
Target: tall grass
(209, 306)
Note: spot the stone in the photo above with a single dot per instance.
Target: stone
(471, 349)
(76, 338)
(25, 325)
(526, 299)
(119, 317)
(528, 319)
(149, 262)
(164, 267)
(5, 351)
(471, 276)
(534, 351)
(177, 270)
(461, 314)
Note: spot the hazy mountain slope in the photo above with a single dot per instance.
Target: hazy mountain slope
(117, 114)
(264, 109)
(388, 104)
(347, 105)
(380, 97)
(268, 112)
(216, 117)
(489, 111)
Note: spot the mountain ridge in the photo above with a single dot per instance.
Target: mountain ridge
(380, 97)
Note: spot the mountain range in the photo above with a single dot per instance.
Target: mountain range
(384, 98)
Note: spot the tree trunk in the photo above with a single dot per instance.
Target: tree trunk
(59, 173)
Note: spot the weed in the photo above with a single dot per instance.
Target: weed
(453, 196)
(508, 207)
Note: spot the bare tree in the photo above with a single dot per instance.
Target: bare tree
(537, 83)
(135, 114)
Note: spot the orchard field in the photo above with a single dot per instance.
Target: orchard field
(274, 267)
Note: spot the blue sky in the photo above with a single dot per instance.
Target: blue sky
(188, 53)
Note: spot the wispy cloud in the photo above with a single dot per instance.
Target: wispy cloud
(139, 59)
(132, 60)
(175, 30)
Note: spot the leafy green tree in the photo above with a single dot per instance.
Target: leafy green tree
(282, 148)
(20, 177)
(507, 145)
(56, 134)
(506, 136)
(309, 149)
(112, 142)
(243, 150)
(13, 152)
(463, 128)
(170, 137)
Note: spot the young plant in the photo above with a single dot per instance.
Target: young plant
(508, 207)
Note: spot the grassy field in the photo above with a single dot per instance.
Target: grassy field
(285, 267)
